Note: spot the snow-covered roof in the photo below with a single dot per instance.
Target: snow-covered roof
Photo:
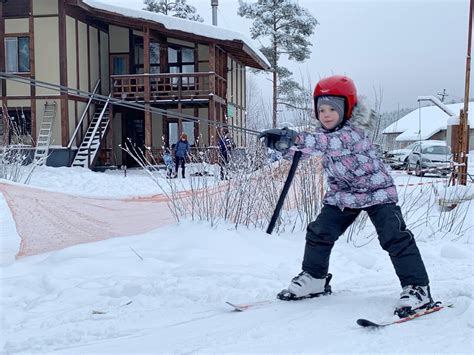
(432, 120)
(187, 26)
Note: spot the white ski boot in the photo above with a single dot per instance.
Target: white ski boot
(412, 299)
(305, 286)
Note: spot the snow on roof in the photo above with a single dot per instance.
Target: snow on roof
(178, 24)
(432, 118)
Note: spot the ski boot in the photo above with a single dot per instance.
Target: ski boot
(305, 286)
(413, 299)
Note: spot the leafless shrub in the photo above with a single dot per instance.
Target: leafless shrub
(247, 198)
(250, 195)
(423, 214)
(15, 156)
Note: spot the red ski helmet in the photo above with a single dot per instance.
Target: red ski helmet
(337, 85)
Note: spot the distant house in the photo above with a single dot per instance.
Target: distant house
(154, 60)
(429, 122)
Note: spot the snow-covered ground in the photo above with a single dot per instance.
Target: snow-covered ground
(165, 291)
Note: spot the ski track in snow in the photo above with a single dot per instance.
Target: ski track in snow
(178, 293)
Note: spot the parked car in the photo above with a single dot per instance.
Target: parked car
(397, 159)
(433, 157)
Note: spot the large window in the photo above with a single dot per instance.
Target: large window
(17, 53)
(181, 60)
(173, 134)
(138, 54)
(16, 8)
(20, 121)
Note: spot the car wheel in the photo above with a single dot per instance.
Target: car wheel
(418, 171)
(405, 164)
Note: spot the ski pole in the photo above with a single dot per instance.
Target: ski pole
(284, 192)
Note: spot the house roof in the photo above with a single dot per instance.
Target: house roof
(432, 120)
(235, 43)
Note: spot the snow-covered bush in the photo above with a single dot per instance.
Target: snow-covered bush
(248, 197)
(15, 155)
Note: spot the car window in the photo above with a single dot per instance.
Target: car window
(436, 149)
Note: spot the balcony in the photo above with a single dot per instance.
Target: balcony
(169, 87)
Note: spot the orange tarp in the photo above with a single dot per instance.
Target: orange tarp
(47, 221)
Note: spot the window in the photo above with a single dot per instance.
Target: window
(437, 149)
(17, 54)
(20, 121)
(119, 64)
(17, 122)
(173, 134)
(188, 128)
(181, 60)
(16, 8)
(139, 56)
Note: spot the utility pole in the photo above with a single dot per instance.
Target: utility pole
(462, 157)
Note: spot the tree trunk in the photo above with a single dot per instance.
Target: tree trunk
(274, 82)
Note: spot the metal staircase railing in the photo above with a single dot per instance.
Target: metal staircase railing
(84, 113)
(87, 152)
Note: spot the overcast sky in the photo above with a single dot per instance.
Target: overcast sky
(407, 48)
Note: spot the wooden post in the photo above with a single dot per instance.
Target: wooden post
(111, 135)
(32, 75)
(212, 90)
(63, 74)
(3, 82)
(146, 67)
(463, 118)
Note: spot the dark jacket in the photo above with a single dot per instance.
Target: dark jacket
(226, 144)
(181, 148)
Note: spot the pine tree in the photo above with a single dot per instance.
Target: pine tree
(288, 26)
(176, 8)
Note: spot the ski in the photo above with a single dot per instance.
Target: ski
(423, 312)
(244, 306)
(283, 295)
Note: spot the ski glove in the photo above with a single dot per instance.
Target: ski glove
(279, 139)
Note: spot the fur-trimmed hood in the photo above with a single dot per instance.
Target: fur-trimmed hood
(362, 116)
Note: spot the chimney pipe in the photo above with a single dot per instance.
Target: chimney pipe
(214, 4)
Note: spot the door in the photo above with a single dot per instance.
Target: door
(133, 132)
(119, 64)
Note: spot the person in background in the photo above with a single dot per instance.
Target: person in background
(181, 151)
(169, 163)
(226, 145)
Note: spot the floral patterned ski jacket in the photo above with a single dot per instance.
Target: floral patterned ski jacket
(356, 176)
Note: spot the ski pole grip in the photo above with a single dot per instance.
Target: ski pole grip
(284, 192)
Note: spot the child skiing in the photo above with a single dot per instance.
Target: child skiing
(358, 181)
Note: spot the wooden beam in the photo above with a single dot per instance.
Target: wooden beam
(3, 82)
(464, 117)
(146, 68)
(63, 74)
(33, 115)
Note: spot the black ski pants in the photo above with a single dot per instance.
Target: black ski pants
(393, 236)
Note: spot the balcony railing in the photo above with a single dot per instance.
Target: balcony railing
(172, 86)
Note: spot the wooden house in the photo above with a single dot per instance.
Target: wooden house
(163, 64)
